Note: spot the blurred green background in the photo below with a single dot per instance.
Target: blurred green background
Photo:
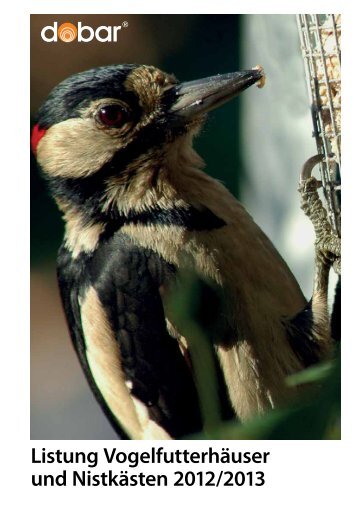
(190, 46)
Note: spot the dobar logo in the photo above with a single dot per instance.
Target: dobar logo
(68, 32)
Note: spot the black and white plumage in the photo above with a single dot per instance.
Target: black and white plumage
(115, 144)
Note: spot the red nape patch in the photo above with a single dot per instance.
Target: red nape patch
(36, 136)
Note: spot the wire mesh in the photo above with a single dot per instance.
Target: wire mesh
(320, 37)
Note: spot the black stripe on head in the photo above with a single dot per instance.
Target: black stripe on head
(79, 90)
(89, 193)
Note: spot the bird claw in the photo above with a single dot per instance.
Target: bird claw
(324, 252)
(309, 185)
(328, 251)
(327, 244)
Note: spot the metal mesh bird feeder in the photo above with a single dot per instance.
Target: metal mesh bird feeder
(320, 36)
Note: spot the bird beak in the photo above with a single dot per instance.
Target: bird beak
(204, 95)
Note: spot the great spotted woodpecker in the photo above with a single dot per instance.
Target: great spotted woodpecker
(115, 144)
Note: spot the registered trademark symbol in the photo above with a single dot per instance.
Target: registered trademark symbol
(125, 24)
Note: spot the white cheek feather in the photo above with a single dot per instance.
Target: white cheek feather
(75, 148)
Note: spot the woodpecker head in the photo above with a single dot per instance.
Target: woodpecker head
(111, 132)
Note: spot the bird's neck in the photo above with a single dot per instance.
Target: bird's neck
(155, 192)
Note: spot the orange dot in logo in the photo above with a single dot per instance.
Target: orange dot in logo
(67, 32)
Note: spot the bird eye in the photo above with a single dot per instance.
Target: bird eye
(112, 115)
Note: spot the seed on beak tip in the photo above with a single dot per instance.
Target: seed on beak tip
(262, 81)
